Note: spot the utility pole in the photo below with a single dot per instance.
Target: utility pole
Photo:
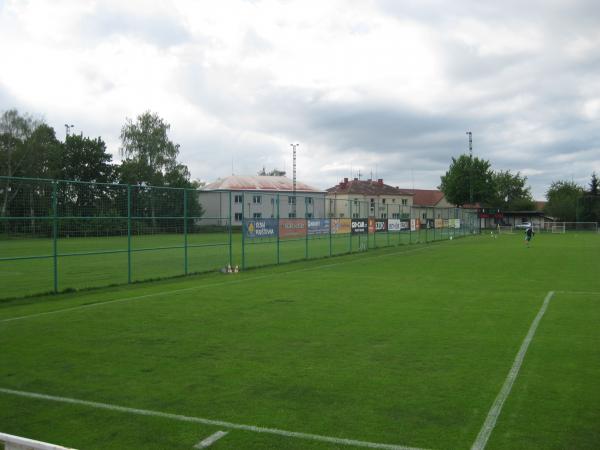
(470, 167)
(294, 179)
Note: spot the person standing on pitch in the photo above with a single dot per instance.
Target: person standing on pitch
(528, 234)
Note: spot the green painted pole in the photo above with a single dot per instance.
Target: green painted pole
(243, 232)
(55, 234)
(306, 227)
(330, 243)
(185, 231)
(230, 232)
(350, 209)
(129, 234)
(278, 254)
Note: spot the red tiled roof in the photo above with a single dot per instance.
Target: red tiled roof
(259, 183)
(427, 197)
(366, 187)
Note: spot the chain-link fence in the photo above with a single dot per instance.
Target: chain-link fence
(58, 235)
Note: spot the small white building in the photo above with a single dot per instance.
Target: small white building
(259, 197)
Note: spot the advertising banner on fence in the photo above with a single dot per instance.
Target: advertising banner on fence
(318, 226)
(340, 226)
(381, 225)
(292, 228)
(450, 223)
(260, 228)
(394, 225)
(371, 224)
(360, 226)
(439, 223)
(456, 223)
(413, 225)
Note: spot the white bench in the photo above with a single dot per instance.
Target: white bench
(18, 443)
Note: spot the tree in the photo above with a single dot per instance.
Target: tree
(594, 185)
(511, 191)
(14, 131)
(151, 160)
(562, 199)
(149, 153)
(588, 205)
(85, 159)
(272, 173)
(465, 175)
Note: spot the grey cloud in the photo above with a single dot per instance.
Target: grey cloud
(162, 31)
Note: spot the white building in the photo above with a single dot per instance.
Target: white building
(259, 197)
(368, 198)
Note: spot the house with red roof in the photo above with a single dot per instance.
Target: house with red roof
(368, 198)
(259, 197)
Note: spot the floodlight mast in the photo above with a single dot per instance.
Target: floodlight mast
(68, 128)
(294, 146)
(470, 134)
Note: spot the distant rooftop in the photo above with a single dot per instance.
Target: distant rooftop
(426, 197)
(366, 187)
(259, 183)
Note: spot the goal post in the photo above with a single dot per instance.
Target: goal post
(569, 227)
(12, 442)
(506, 229)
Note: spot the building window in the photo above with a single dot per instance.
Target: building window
(256, 199)
(424, 215)
(383, 201)
(309, 215)
(384, 216)
(292, 215)
(238, 217)
(355, 215)
(257, 215)
(238, 198)
(309, 200)
(356, 201)
(272, 201)
(395, 215)
(404, 202)
(291, 200)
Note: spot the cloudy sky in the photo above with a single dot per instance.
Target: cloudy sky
(387, 87)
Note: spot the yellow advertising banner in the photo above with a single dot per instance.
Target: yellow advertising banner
(439, 223)
(341, 226)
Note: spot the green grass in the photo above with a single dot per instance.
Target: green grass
(405, 345)
(86, 262)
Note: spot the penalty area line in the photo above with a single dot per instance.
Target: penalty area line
(496, 409)
(218, 423)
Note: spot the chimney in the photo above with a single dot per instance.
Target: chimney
(356, 179)
(345, 180)
(380, 180)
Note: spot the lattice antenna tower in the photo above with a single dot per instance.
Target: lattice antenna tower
(294, 146)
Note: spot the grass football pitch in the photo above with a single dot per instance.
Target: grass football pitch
(470, 343)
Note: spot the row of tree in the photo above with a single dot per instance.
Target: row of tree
(29, 148)
(569, 202)
(471, 180)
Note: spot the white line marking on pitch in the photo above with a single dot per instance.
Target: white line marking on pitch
(218, 423)
(578, 292)
(175, 291)
(492, 417)
(211, 439)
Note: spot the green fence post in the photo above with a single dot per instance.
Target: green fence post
(277, 200)
(306, 225)
(55, 234)
(230, 231)
(129, 234)
(330, 243)
(185, 231)
(350, 211)
(243, 232)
